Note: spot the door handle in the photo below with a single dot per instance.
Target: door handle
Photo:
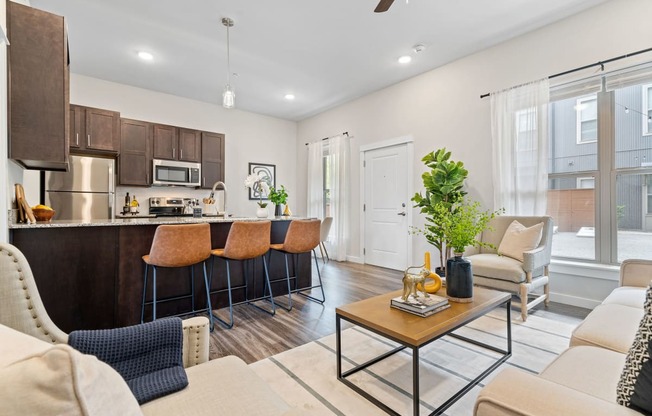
(174, 154)
(402, 214)
(76, 139)
(180, 153)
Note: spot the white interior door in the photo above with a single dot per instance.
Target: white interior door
(386, 207)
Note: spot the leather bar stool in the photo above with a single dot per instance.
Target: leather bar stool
(178, 246)
(247, 240)
(303, 236)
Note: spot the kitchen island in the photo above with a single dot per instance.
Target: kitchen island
(90, 274)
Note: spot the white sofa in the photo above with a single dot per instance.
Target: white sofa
(41, 375)
(583, 379)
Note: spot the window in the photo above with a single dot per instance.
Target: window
(587, 119)
(585, 183)
(600, 195)
(647, 109)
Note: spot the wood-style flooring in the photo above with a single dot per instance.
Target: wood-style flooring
(257, 335)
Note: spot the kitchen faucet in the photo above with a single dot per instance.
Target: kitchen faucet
(215, 185)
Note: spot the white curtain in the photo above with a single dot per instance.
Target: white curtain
(329, 166)
(519, 131)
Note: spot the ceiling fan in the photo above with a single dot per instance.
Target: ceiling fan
(383, 6)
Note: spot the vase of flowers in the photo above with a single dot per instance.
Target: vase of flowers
(259, 184)
(278, 196)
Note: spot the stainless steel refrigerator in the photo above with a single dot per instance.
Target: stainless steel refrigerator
(85, 192)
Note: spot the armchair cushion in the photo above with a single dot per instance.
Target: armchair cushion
(519, 238)
(497, 267)
(635, 382)
(147, 356)
(39, 378)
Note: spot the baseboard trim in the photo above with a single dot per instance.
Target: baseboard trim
(355, 259)
(574, 300)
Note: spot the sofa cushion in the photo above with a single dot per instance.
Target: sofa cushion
(610, 326)
(497, 267)
(37, 378)
(635, 382)
(519, 238)
(591, 370)
(627, 296)
(225, 386)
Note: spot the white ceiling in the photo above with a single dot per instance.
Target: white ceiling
(325, 52)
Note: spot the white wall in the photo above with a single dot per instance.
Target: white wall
(442, 107)
(249, 137)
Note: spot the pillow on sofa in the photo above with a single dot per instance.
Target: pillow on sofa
(519, 238)
(37, 378)
(635, 382)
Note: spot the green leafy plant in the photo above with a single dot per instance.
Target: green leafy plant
(444, 187)
(462, 224)
(278, 196)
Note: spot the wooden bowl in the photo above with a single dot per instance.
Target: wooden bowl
(43, 215)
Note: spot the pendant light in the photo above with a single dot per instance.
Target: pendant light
(228, 96)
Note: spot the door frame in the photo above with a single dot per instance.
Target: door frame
(407, 140)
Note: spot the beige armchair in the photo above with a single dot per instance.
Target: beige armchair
(508, 274)
(21, 308)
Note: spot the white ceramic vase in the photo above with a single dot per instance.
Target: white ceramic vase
(262, 212)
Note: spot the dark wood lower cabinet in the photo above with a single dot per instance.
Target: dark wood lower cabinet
(92, 277)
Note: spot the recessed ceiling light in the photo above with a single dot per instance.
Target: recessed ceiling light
(145, 56)
(404, 59)
(289, 97)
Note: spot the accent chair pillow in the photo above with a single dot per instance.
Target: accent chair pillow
(37, 378)
(519, 238)
(635, 382)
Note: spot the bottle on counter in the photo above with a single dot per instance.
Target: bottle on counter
(127, 205)
(134, 205)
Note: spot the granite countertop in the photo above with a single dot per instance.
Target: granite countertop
(140, 221)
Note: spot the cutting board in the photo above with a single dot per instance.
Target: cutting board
(24, 208)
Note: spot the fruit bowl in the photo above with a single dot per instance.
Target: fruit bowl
(43, 215)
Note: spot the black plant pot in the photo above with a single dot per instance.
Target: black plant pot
(277, 210)
(459, 280)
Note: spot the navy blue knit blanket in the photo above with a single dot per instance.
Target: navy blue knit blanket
(148, 356)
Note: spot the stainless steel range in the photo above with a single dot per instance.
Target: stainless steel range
(165, 206)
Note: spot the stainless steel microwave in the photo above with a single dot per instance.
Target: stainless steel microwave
(172, 172)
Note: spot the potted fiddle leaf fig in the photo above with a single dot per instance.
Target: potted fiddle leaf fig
(444, 187)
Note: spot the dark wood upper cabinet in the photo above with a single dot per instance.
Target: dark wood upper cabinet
(134, 163)
(165, 140)
(94, 130)
(212, 158)
(38, 81)
(189, 145)
(175, 143)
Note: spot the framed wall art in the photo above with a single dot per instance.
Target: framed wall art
(267, 172)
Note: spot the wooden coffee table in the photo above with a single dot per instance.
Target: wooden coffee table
(414, 332)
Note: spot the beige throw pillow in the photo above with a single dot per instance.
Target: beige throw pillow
(41, 379)
(518, 239)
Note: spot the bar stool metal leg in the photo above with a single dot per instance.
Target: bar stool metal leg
(142, 307)
(209, 308)
(192, 286)
(267, 287)
(154, 294)
(323, 296)
(228, 325)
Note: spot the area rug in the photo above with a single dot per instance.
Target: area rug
(305, 377)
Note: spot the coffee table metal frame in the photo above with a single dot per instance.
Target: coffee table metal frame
(415, 360)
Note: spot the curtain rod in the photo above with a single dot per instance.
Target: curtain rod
(599, 63)
(346, 133)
